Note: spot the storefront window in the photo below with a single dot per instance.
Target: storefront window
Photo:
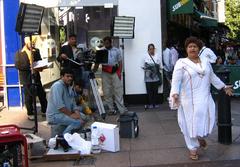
(90, 24)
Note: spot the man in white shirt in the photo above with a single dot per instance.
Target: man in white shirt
(167, 60)
(208, 53)
(167, 70)
(174, 55)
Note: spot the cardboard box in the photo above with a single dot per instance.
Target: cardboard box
(36, 146)
(111, 134)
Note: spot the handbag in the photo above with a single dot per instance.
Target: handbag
(159, 74)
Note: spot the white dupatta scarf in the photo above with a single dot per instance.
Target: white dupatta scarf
(199, 68)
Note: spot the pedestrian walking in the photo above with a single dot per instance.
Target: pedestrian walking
(190, 92)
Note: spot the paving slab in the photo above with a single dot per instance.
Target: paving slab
(120, 159)
(170, 127)
(51, 164)
(162, 156)
(225, 163)
(157, 142)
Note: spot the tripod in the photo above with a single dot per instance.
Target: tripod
(94, 87)
(97, 96)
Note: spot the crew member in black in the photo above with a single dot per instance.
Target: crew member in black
(23, 62)
(69, 52)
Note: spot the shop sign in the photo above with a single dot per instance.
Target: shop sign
(180, 6)
(236, 84)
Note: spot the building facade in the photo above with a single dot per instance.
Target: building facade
(199, 18)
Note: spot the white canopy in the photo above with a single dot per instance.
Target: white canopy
(44, 3)
(69, 3)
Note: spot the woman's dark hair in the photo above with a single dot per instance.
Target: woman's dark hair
(194, 40)
(151, 45)
(66, 71)
(109, 39)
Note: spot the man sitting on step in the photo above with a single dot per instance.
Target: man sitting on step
(62, 109)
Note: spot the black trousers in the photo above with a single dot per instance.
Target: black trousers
(152, 91)
(38, 91)
(167, 77)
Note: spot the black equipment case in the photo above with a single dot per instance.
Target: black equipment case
(129, 125)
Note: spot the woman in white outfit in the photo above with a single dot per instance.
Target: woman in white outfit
(190, 92)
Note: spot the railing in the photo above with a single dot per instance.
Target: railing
(4, 86)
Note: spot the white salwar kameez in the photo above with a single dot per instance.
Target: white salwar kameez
(196, 113)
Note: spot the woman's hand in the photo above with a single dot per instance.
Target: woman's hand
(228, 90)
(176, 101)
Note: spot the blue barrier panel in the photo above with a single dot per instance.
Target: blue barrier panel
(12, 78)
(12, 44)
(13, 97)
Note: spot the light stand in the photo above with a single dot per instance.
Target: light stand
(29, 23)
(123, 68)
(123, 28)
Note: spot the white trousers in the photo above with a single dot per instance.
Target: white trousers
(112, 88)
(192, 143)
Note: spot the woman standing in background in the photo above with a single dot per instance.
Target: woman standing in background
(151, 66)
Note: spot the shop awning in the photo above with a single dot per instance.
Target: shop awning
(206, 21)
(180, 6)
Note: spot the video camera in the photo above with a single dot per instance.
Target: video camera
(86, 56)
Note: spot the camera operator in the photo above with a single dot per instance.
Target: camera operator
(69, 52)
(111, 78)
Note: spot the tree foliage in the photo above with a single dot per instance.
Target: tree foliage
(233, 18)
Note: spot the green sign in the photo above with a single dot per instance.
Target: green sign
(234, 77)
(180, 6)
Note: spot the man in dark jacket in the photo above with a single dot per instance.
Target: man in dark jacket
(68, 53)
(23, 62)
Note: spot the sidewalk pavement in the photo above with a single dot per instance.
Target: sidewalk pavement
(160, 142)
